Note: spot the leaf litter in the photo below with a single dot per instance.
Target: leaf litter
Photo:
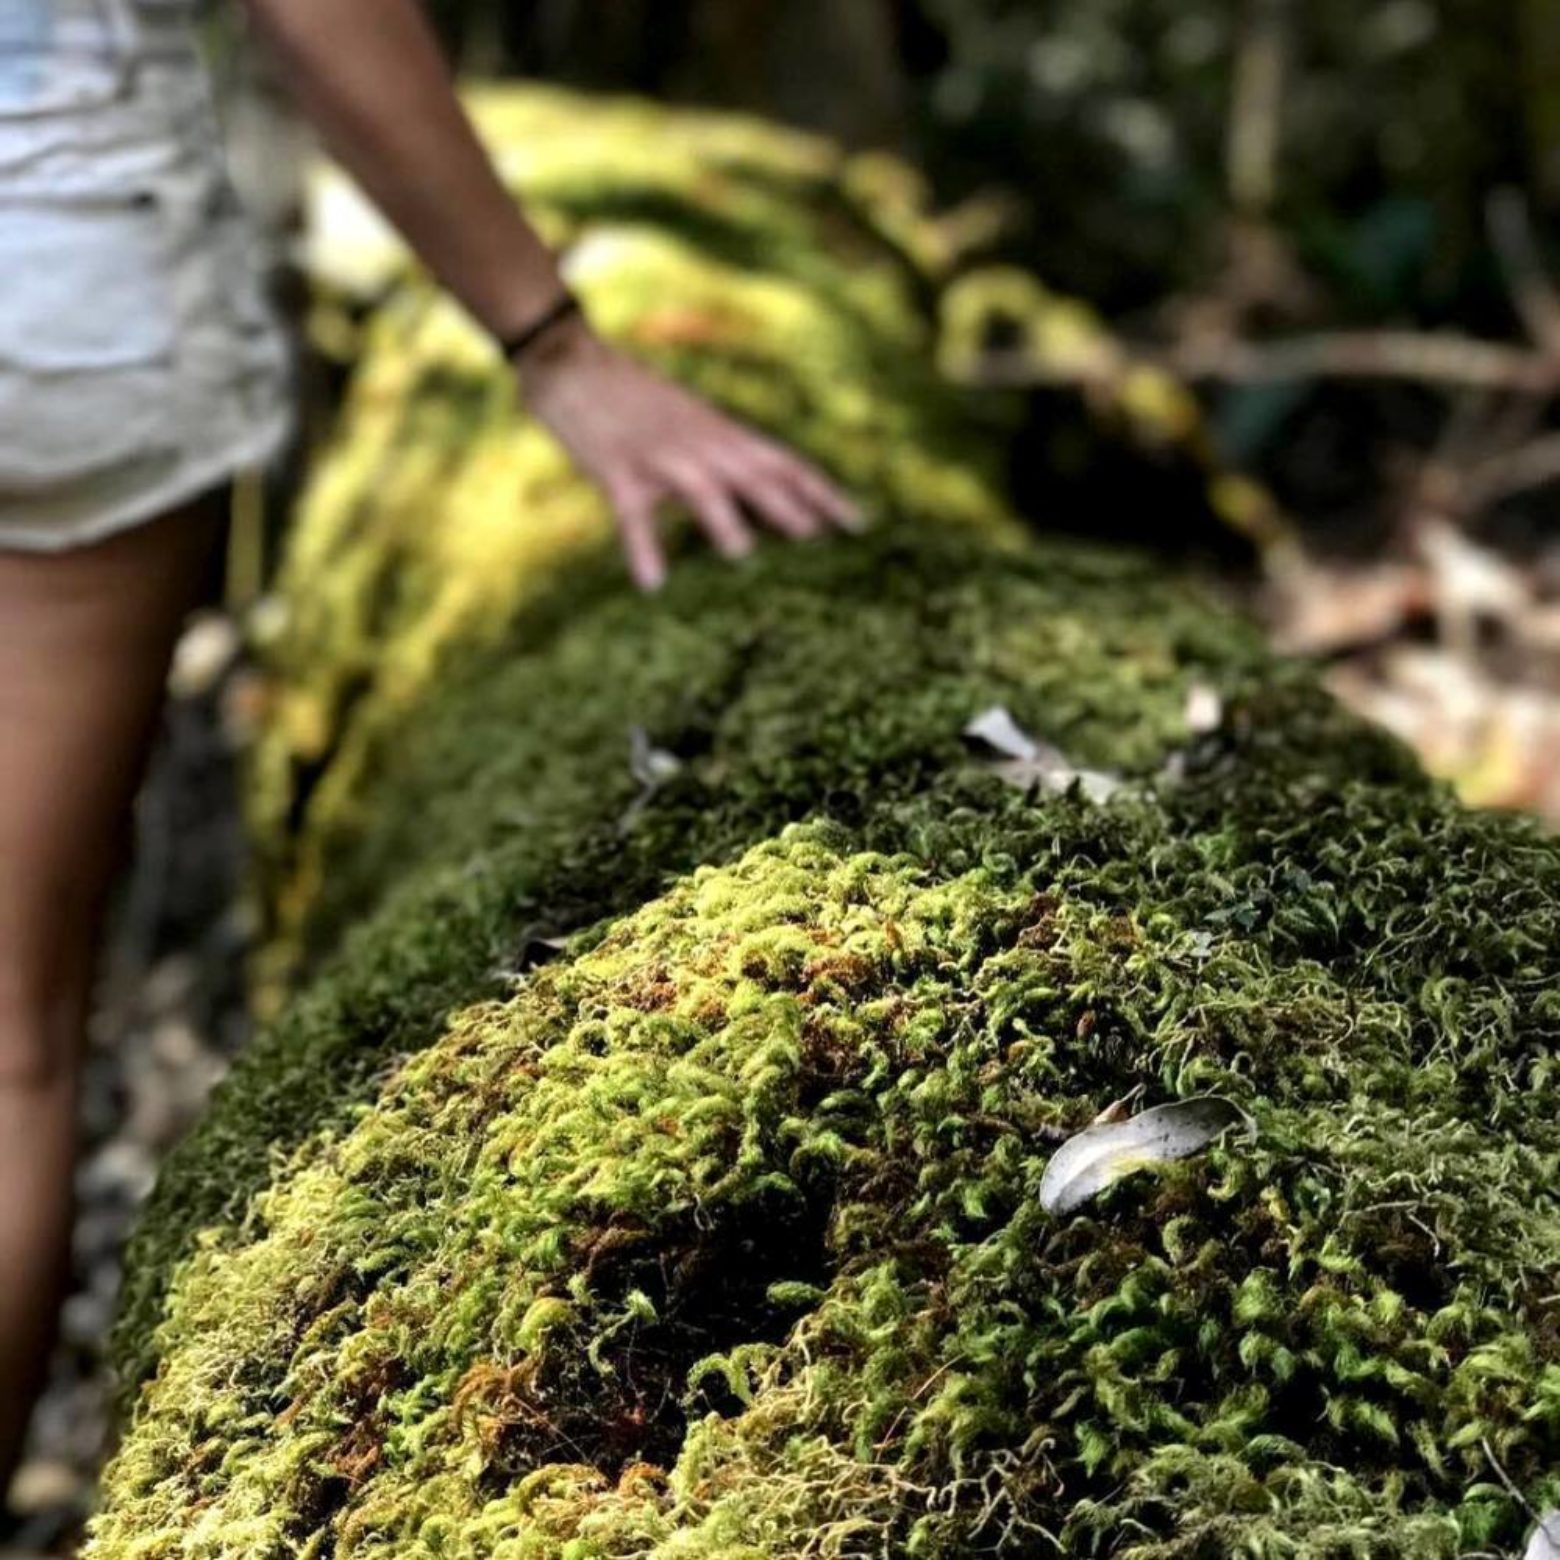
(1109, 1151)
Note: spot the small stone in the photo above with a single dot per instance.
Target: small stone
(98, 1233)
(175, 1043)
(86, 1320)
(207, 649)
(44, 1484)
(168, 986)
(121, 1170)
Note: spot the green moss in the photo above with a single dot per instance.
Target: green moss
(722, 1238)
(833, 676)
(719, 1235)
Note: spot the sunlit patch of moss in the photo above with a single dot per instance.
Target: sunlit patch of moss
(723, 1237)
(835, 678)
(804, 289)
(718, 1236)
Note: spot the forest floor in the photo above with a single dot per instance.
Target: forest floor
(1456, 649)
(1454, 646)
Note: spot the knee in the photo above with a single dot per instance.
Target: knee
(40, 1041)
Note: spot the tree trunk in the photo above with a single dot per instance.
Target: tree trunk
(658, 1153)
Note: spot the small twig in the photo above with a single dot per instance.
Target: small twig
(1512, 1490)
(1255, 131)
(1533, 465)
(1444, 360)
(1533, 294)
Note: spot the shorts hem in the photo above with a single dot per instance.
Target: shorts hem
(196, 479)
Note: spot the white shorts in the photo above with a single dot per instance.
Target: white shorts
(139, 363)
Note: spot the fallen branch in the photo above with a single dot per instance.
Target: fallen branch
(1445, 360)
(1462, 361)
(1500, 477)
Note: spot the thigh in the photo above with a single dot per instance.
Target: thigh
(85, 639)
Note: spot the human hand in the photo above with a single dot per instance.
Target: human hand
(644, 440)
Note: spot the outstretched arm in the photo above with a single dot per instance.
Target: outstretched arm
(370, 76)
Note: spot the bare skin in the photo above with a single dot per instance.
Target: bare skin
(358, 67)
(85, 637)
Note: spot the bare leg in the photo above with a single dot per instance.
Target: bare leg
(85, 638)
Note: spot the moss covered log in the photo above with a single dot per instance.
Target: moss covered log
(715, 1230)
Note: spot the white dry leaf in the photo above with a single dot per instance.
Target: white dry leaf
(1545, 1542)
(1469, 581)
(997, 730)
(1119, 1110)
(1024, 761)
(1101, 1155)
(1204, 709)
(536, 948)
(347, 247)
(206, 651)
(651, 766)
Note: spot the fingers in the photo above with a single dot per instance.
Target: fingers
(792, 493)
(634, 505)
(722, 482)
(714, 504)
(826, 498)
(778, 506)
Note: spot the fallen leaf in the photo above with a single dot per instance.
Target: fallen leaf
(1469, 582)
(1204, 709)
(651, 766)
(997, 729)
(536, 949)
(1320, 611)
(1054, 775)
(1099, 1156)
(205, 653)
(1024, 761)
(1545, 1542)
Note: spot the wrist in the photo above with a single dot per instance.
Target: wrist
(537, 324)
(568, 344)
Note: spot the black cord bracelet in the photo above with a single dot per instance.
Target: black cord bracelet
(516, 346)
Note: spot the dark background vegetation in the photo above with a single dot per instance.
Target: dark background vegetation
(1128, 131)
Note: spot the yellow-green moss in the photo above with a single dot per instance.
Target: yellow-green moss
(722, 1237)
(719, 1236)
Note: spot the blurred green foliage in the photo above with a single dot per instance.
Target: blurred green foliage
(1392, 120)
(1110, 122)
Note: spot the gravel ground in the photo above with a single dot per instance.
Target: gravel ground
(170, 1014)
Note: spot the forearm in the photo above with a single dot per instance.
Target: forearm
(370, 76)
